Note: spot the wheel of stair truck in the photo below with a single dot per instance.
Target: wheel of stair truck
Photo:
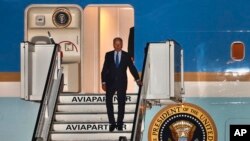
(123, 138)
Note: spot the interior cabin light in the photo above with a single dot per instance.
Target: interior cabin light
(237, 51)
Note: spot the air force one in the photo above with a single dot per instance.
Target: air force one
(193, 58)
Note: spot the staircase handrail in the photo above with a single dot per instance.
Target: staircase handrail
(53, 86)
(140, 106)
(142, 101)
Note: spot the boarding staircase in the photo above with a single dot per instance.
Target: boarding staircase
(74, 116)
(84, 117)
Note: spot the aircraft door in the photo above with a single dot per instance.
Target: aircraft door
(64, 24)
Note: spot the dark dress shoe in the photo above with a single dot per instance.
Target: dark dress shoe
(112, 128)
(120, 127)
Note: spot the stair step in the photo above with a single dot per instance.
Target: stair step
(80, 117)
(92, 98)
(83, 117)
(97, 108)
(87, 127)
(107, 136)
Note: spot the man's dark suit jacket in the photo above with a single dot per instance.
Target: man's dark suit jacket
(116, 78)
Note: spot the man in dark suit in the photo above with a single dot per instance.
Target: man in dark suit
(114, 79)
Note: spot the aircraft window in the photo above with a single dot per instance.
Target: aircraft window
(237, 51)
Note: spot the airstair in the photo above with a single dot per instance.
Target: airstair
(82, 117)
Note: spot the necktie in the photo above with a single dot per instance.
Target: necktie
(117, 60)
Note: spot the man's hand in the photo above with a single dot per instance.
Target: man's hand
(104, 87)
(139, 82)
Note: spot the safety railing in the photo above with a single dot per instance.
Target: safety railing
(53, 86)
(163, 80)
(141, 103)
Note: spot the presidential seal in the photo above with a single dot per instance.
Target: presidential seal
(61, 17)
(182, 122)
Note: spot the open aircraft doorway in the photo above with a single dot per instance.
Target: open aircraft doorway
(101, 24)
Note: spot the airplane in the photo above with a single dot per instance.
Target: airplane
(200, 79)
